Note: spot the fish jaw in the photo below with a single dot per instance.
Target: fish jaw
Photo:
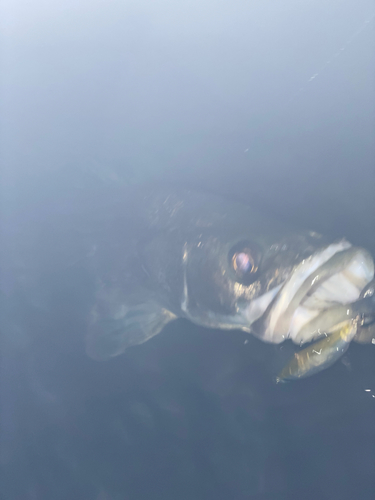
(332, 277)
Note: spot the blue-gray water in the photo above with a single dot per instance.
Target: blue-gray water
(272, 104)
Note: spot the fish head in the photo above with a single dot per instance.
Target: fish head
(228, 267)
(275, 289)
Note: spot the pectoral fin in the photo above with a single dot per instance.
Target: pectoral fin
(110, 336)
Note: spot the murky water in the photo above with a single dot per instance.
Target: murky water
(270, 105)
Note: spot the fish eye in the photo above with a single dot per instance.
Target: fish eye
(244, 261)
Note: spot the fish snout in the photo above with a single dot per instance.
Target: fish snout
(319, 293)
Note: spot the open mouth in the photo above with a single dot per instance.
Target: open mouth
(314, 299)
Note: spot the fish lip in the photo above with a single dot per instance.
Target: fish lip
(286, 315)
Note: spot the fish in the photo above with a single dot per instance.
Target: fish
(320, 355)
(147, 256)
(317, 356)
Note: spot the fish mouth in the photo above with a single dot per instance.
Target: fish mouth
(314, 300)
